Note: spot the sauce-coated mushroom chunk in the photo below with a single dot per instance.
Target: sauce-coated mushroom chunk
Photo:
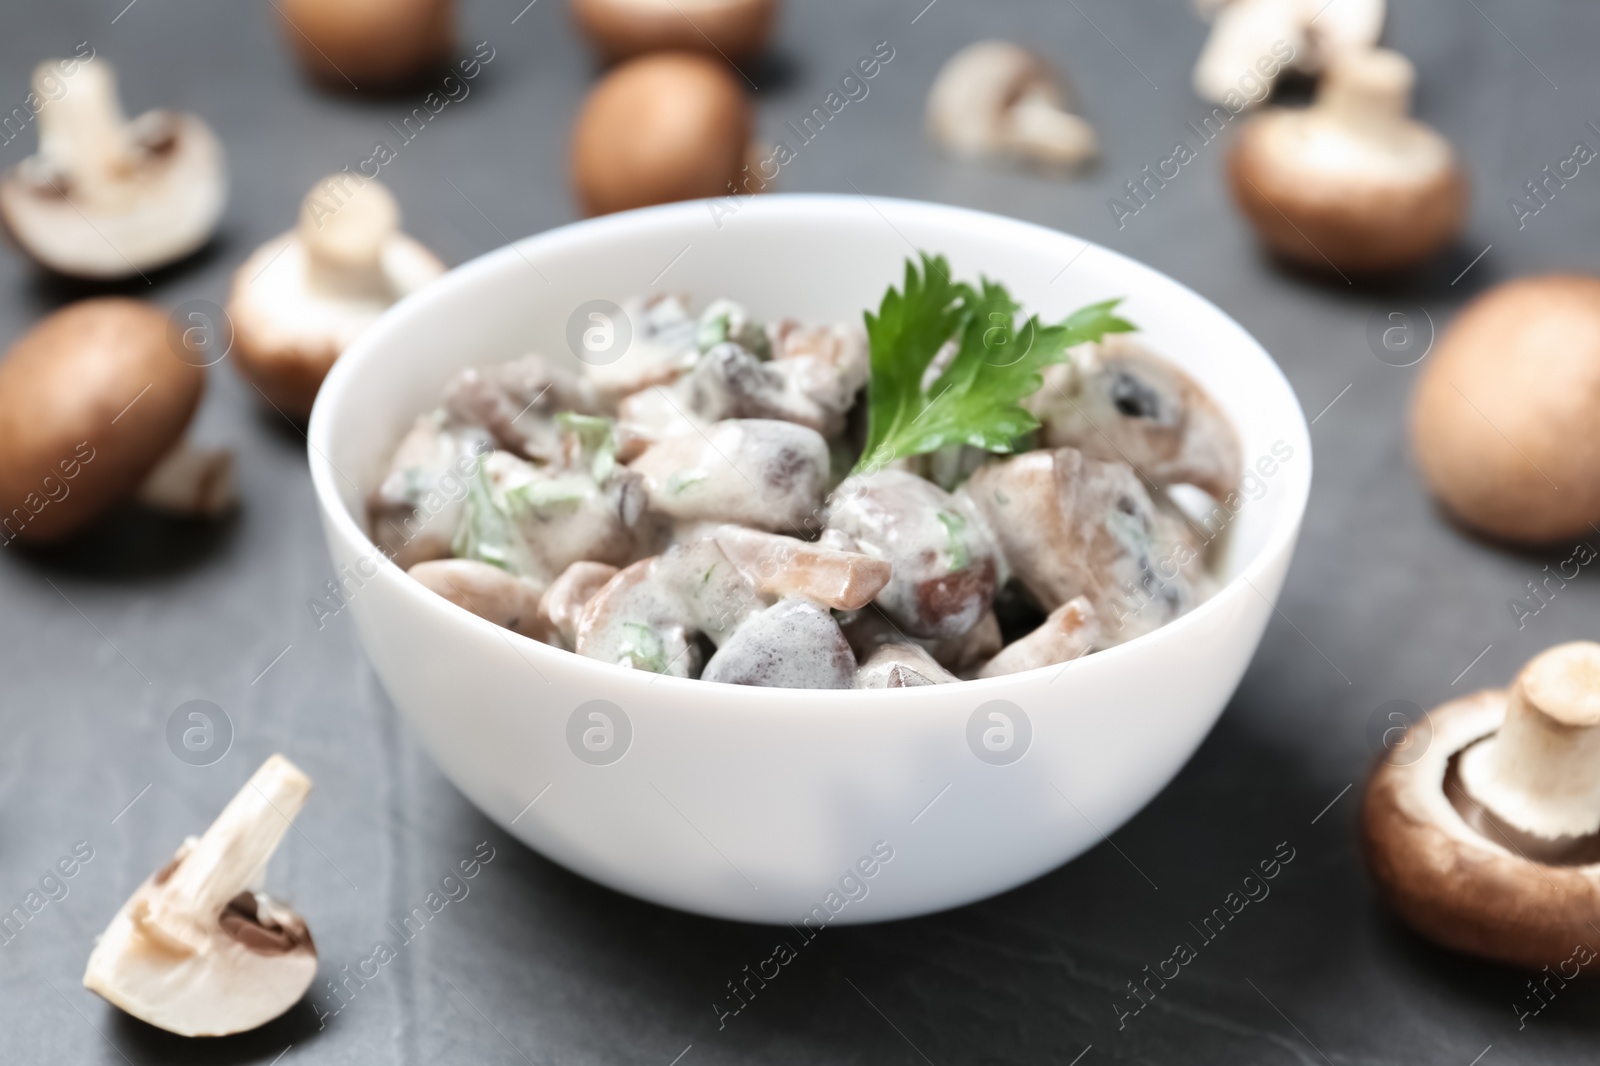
(792, 644)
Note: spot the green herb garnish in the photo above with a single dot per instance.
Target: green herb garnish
(976, 398)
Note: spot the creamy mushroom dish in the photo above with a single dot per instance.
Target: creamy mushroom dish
(944, 495)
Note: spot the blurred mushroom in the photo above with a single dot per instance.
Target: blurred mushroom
(93, 407)
(1350, 182)
(901, 666)
(792, 644)
(303, 297)
(105, 197)
(1502, 419)
(1253, 41)
(195, 951)
(994, 99)
(1069, 632)
(358, 44)
(489, 592)
(752, 472)
(620, 29)
(1488, 841)
(563, 603)
(662, 127)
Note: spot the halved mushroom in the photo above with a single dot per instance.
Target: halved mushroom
(901, 666)
(517, 402)
(752, 472)
(300, 299)
(1251, 43)
(105, 197)
(1352, 181)
(195, 950)
(489, 592)
(792, 644)
(662, 127)
(1117, 400)
(1489, 840)
(358, 44)
(563, 603)
(417, 507)
(786, 566)
(93, 407)
(996, 99)
(1069, 632)
(732, 29)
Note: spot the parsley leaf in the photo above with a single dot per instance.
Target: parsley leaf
(975, 399)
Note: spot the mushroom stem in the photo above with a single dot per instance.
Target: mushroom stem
(226, 859)
(345, 222)
(1042, 129)
(1541, 771)
(1373, 84)
(84, 131)
(190, 481)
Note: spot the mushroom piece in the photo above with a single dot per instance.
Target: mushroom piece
(1251, 42)
(105, 197)
(300, 299)
(1350, 182)
(489, 592)
(195, 950)
(945, 566)
(792, 644)
(358, 44)
(730, 382)
(1501, 421)
(870, 629)
(93, 406)
(901, 666)
(995, 99)
(417, 507)
(563, 603)
(786, 566)
(518, 402)
(1117, 400)
(1069, 632)
(753, 472)
(662, 347)
(620, 29)
(664, 127)
(1071, 526)
(1489, 840)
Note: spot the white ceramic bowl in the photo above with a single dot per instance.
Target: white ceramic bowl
(776, 805)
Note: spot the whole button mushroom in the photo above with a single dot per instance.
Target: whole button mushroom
(105, 197)
(354, 44)
(995, 99)
(621, 29)
(1488, 840)
(663, 127)
(93, 403)
(195, 950)
(1502, 419)
(303, 297)
(1351, 181)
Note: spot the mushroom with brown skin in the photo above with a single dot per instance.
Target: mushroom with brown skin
(787, 566)
(108, 198)
(93, 407)
(501, 597)
(196, 951)
(1489, 841)
(662, 127)
(621, 29)
(358, 44)
(1501, 421)
(1352, 181)
(563, 603)
(300, 299)
(995, 99)
(518, 401)
(1069, 632)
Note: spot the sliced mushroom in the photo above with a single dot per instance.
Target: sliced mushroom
(1251, 43)
(731, 29)
(945, 566)
(93, 404)
(417, 508)
(194, 951)
(786, 566)
(518, 401)
(658, 128)
(1351, 182)
(563, 603)
(1070, 526)
(362, 44)
(901, 666)
(996, 99)
(752, 472)
(489, 592)
(1069, 632)
(1488, 841)
(300, 299)
(1116, 400)
(792, 644)
(105, 197)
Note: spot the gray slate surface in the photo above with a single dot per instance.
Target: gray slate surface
(101, 641)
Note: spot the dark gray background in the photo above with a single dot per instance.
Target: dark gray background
(102, 639)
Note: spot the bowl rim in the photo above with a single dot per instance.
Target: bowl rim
(331, 398)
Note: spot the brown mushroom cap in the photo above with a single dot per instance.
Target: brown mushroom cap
(1502, 419)
(90, 400)
(369, 42)
(1469, 890)
(1350, 180)
(673, 126)
(620, 29)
